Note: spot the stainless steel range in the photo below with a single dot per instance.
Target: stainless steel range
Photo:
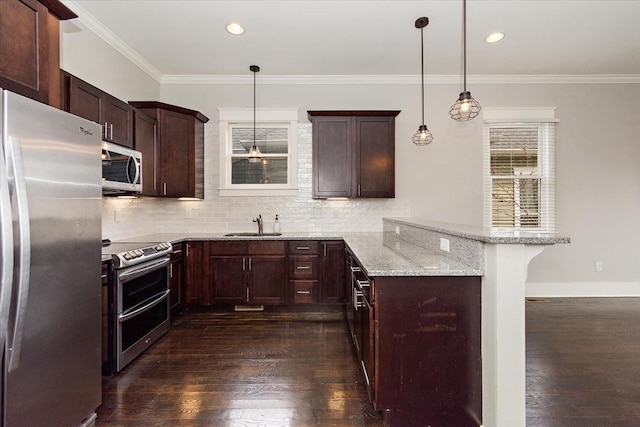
(138, 298)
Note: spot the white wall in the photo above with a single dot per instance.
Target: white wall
(88, 57)
(598, 158)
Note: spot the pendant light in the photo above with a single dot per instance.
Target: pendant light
(465, 108)
(422, 136)
(254, 153)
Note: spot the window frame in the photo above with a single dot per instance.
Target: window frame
(235, 117)
(544, 120)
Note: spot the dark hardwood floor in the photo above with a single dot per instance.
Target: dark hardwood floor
(299, 369)
(583, 362)
(243, 369)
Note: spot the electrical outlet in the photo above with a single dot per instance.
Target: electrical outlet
(397, 230)
(444, 244)
(116, 215)
(599, 266)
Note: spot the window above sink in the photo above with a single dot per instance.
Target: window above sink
(276, 174)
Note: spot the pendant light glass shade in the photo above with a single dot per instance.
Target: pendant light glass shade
(422, 136)
(254, 152)
(465, 108)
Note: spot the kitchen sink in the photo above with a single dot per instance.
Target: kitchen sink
(252, 234)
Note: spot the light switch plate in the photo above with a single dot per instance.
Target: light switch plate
(444, 244)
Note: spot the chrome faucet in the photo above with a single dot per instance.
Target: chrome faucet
(260, 225)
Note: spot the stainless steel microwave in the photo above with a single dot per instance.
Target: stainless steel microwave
(121, 169)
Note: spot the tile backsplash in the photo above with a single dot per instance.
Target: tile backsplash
(122, 218)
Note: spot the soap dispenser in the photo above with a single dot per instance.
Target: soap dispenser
(276, 225)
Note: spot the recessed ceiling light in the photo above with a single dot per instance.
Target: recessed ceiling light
(235, 28)
(494, 37)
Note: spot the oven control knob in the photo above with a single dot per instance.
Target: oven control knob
(139, 252)
(127, 256)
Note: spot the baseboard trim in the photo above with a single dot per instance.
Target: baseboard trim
(582, 289)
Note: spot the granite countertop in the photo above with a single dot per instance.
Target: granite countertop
(379, 260)
(375, 258)
(482, 234)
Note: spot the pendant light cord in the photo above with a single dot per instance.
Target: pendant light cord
(422, 68)
(464, 42)
(254, 108)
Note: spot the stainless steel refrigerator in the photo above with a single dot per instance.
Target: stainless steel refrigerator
(50, 294)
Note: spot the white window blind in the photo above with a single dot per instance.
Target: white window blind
(520, 176)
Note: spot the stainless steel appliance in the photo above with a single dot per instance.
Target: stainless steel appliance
(139, 298)
(121, 169)
(50, 296)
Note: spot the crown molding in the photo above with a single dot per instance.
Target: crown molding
(114, 41)
(400, 79)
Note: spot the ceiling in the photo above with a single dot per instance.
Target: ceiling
(370, 38)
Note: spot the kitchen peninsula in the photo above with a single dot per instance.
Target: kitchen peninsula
(472, 266)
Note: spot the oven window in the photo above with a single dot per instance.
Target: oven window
(142, 290)
(137, 327)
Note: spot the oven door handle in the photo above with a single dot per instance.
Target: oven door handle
(125, 317)
(133, 272)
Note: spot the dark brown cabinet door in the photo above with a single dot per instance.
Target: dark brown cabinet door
(87, 101)
(267, 279)
(180, 141)
(332, 272)
(24, 41)
(228, 279)
(84, 100)
(375, 156)
(332, 156)
(177, 156)
(197, 289)
(176, 278)
(145, 137)
(353, 153)
(118, 121)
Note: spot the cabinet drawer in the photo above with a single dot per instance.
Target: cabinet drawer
(228, 248)
(267, 247)
(304, 291)
(303, 247)
(303, 267)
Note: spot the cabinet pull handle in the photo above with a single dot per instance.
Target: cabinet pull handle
(303, 268)
(171, 271)
(244, 260)
(111, 131)
(247, 294)
(104, 131)
(303, 292)
(249, 263)
(324, 249)
(302, 248)
(358, 189)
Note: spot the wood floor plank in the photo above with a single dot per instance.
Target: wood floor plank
(243, 369)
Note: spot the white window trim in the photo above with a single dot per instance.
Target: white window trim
(544, 117)
(229, 116)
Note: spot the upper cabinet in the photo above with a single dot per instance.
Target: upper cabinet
(353, 153)
(179, 170)
(87, 101)
(30, 44)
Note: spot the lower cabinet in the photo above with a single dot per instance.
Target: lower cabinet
(176, 278)
(417, 340)
(196, 289)
(248, 272)
(331, 272)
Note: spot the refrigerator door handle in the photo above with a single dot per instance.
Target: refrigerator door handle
(24, 252)
(6, 250)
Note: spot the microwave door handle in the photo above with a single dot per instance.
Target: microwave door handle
(24, 254)
(6, 250)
